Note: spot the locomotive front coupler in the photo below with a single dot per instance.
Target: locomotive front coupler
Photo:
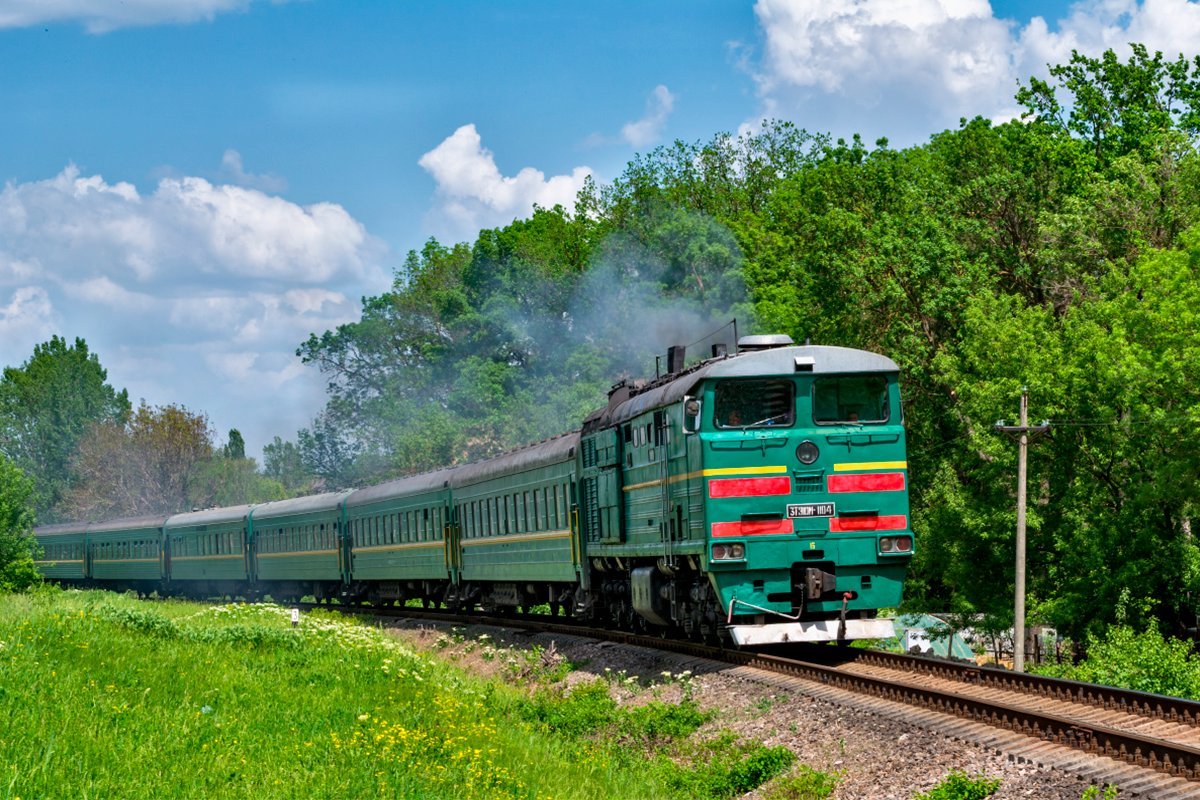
(841, 633)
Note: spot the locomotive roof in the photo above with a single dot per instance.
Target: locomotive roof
(401, 487)
(551, 451)
(298, 505)
(826, 360)
(210, 516)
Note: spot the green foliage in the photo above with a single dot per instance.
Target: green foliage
(959, 785)
(283, 463)
(235, 448)
(723, 767)
(589, 710)
(46, 406)
(1095, 793)
(17, 547)
(804, 783)
(1145, 662)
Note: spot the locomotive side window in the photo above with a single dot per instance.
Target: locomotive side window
(850, 399)
(755, 404)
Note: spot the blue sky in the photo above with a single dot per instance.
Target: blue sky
(193, 186)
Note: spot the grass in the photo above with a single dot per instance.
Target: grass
(105, 696)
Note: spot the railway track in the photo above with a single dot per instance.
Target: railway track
(1148, 745)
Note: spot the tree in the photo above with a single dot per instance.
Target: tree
(236, 446)
(283, 462)
(17, 546)
(1119, 108)
(46, 407)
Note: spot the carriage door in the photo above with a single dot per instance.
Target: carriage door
(600, 488)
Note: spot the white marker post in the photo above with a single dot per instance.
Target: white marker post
(295, 617)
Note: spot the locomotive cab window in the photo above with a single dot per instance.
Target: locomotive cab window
(850, 399)
(755, 404)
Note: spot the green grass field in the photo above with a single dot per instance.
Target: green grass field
(104, 696)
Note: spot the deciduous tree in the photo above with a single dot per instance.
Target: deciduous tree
(46, 406)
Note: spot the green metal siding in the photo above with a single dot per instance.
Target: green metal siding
(402, 538)
(518, 527)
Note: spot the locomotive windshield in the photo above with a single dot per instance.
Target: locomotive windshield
(850, 398)
(748, 404)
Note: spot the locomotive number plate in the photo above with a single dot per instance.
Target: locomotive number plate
(804, 510)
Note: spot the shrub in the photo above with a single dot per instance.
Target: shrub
(805, 783)
(1145, 662)
(958, 785)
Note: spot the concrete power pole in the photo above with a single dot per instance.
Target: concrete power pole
(1021, 432)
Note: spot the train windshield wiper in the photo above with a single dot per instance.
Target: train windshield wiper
(769, 420)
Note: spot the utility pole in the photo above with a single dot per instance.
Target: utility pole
(1021, 433)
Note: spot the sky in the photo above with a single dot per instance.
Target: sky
(196, 186)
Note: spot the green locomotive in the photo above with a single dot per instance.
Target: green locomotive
(760, 496)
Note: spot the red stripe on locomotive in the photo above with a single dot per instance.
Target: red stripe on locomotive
(869, 482)
(749, 487)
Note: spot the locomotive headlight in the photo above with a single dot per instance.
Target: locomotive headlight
(895, 544)
(728, 552)
(807, 452)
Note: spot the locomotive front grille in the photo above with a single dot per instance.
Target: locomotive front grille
(808, 482)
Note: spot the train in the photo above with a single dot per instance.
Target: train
(756, 497)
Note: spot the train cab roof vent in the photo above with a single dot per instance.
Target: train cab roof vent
(748, 344)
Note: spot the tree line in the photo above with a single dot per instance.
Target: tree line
(1058, 252)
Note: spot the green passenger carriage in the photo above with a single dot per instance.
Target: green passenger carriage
(64, 552)
(516, 545)
(297, 546)
(397, 539)
(208, 551)
(127, 553)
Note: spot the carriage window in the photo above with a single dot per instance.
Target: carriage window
(850, 399)
(755, 404)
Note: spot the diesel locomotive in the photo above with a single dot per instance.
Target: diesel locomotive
(759, 496)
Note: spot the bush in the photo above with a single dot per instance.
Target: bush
(1145, 662)
(958, 785)
(805, 783)
(723, 768)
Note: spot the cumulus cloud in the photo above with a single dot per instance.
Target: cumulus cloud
(649, 128)
(102, 16)
(473, 194)
(192, 292)
(186, 225)
(907, 68)
(27, 318)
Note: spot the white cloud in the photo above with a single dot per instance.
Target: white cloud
(908, 68)
(27, 319)
(649, 128)
(101, 16)
(194, 293)
(473, 194)
(186, 226)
